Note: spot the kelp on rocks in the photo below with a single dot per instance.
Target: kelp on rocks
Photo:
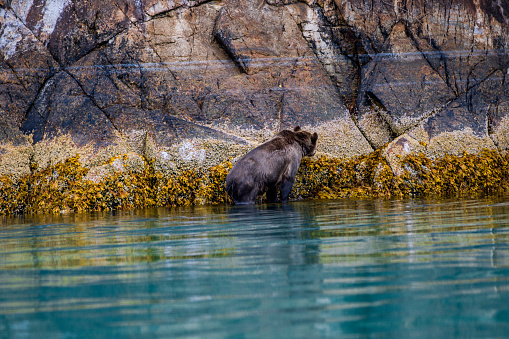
(63, 187)
(371, 176)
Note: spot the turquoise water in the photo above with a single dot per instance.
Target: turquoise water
(315, 269)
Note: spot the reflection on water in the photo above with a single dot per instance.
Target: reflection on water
(319, 269)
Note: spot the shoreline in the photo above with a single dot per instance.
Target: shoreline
(66, 188)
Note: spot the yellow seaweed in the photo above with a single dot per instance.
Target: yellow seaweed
(63, 187)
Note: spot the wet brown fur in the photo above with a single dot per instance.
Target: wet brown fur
(270, 167)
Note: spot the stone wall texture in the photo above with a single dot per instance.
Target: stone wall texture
(197, 82)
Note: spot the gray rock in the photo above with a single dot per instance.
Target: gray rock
(201, 81)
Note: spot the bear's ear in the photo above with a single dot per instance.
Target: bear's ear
(296, 129)
(314, 137)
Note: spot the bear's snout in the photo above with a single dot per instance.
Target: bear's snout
(311, 153)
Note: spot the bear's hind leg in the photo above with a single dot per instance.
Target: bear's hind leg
(272, 194)
(286, 188)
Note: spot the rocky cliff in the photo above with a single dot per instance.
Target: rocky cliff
(190, 83)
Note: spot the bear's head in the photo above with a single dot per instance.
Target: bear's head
(306, 140)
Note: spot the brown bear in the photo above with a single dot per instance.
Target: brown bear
(270, 166)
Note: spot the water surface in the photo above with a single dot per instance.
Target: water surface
(314, 269)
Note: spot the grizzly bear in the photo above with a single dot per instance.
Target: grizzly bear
(270, 166)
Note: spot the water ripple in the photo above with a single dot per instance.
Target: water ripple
(346, 268)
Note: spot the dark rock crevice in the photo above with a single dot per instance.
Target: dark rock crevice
(334, 50)
(35, 119)
(92, 99)
(383, 112)
(46, 78)
(343, 42)
(364, 134)
(428, 52)
(98, 47)
(183, 5)
(224, 39)
(15, 72)
(56, 114)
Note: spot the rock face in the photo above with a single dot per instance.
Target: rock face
(193, 83)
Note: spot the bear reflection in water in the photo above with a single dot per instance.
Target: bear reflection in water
(270, 166)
